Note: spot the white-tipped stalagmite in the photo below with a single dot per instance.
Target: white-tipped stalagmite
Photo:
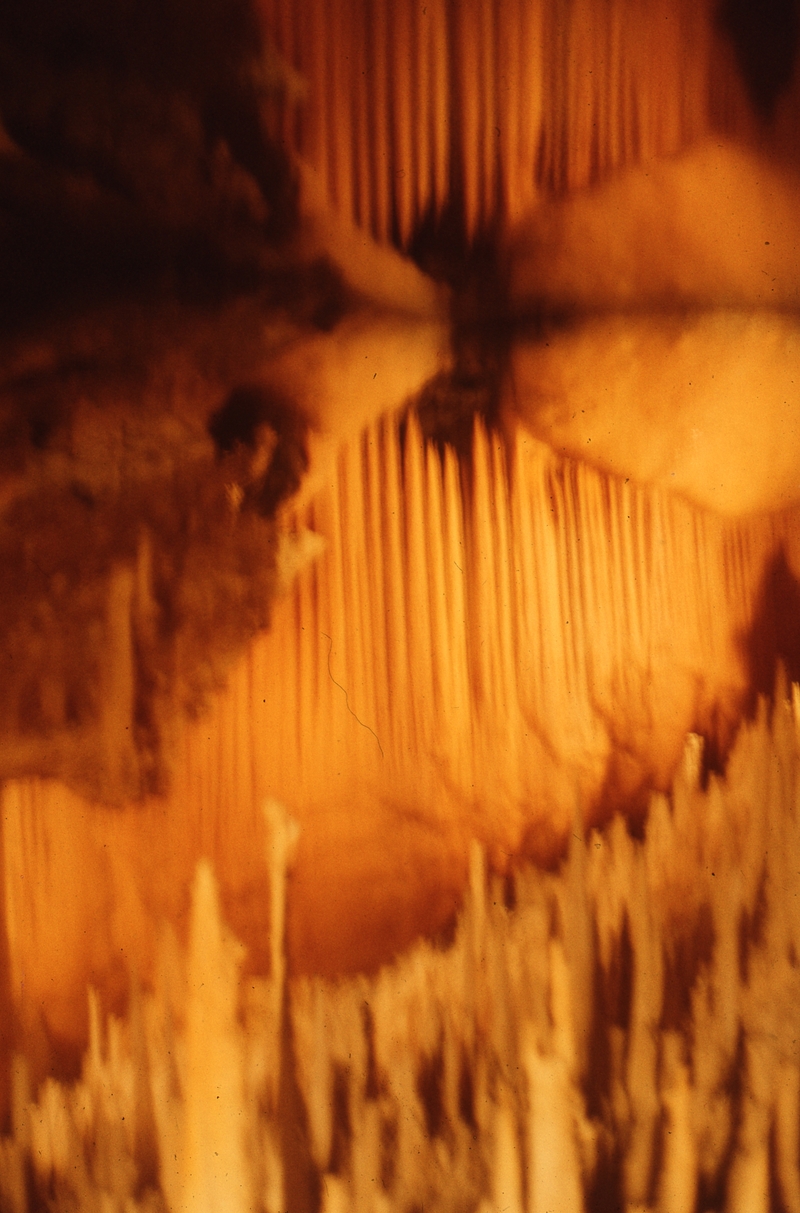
(477, 657)
(451, 1076)
(213, 1064)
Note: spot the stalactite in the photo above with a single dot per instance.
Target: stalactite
(504, 99)
(478, 650)
(490, 657)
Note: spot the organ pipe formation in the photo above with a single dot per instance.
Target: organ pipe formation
(398, 526)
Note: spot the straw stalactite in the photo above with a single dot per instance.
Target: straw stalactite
(492, 650)
(503, 938)
(483, 104)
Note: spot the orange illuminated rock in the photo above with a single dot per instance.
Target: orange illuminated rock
(494, 660)
(664, 340)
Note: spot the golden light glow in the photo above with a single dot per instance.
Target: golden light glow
(468, 1075)
(408, 105)
(475, 655)
(443, 909)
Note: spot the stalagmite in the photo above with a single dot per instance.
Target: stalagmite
(677, 1186)
(213, 1064)
(474, 888)
(568, 627)
(450, 1077)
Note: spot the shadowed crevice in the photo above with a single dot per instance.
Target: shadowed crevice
(773, 639)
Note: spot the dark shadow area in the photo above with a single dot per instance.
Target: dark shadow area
(250, 415)
(688, 951)
(770, 646)
(430, 1080)
(611, 1005)
(482, 329)
(301, 1178)
(764, 34)
(774, 637)
(141, 160)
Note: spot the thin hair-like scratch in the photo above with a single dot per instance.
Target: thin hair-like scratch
(346, 698)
